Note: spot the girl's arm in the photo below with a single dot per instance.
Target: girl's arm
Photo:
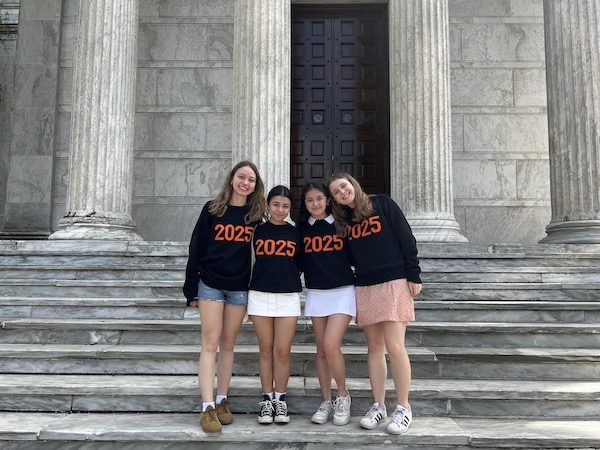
(197, 249)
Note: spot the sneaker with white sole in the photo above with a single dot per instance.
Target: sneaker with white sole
(374, 416)
(281, 413)
(265, 416)
(324, 413)
(341, 408)
(401, 419)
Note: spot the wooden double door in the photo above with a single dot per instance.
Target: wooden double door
(340, 102)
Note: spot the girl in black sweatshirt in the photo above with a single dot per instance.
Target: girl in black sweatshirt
(217, 276)
(384, 253)
(330, 299)
(274, 302)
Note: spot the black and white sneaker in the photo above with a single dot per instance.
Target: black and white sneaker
(374, 416)
(401, 419)
(281, 413)
(265, 416)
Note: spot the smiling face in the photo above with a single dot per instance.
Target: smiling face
(343, 192)
(279, 208)
(316, 203)
(243, 182)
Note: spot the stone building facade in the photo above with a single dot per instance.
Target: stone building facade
(121, 121)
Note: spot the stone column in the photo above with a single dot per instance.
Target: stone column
(573, 82)
(420, 131)
(261, 101)
(100, 187)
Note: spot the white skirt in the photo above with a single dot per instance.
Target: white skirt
(325, 302)
(273, 304)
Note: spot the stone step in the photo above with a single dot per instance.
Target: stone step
(432, 362)
(54, 431)
(429, 397)
(174, 308)
(187, 331)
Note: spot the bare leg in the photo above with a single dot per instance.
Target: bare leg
(211, 315)
(376, 361)
(399, 361)
(334, 333)
(233, 315)
(285, 328)
(323, 371)
(264, 327)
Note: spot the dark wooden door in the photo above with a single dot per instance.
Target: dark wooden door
(340, 104)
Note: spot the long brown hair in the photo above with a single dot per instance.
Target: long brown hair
(256, 199)
(364, 206)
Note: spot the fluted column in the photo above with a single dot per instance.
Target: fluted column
(261, 102)
(100, 189)
(573, 82)
(420, 126)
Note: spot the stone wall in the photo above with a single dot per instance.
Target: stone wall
(184, 110)
(500, 130)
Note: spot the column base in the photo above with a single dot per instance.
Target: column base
(437, 230)
(108, 228)
(573, 232)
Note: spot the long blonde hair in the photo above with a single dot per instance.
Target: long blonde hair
(364, 206)
(256, 199)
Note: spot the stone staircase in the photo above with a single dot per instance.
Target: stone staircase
(97, 350)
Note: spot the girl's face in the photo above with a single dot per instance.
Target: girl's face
(343, 192)
(244, 181)
(279, 208)
(316, 203)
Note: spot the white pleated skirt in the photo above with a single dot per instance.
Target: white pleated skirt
(325, 302)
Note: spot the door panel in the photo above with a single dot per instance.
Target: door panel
(340, 106)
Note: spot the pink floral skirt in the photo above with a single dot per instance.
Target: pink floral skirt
(385, 302)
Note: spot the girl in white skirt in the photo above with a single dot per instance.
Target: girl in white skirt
(274, 301)
(330, 300)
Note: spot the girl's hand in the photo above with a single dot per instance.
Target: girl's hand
(414, 288)
(193, 304)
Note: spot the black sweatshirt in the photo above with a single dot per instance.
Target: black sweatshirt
(326, 256)
(382, 245)
(219, 252)
(278, 253)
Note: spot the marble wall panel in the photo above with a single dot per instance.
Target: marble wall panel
(527, 8)
(166, 222)
(457, 132)
(189, 178)
(199, 86)
(197, 8)
(170, 132)
(143, 177)
(146, 87)
(467, 8)
(455, 42)
(220, 42)
(68, 40)
(172, 42)
(27, 216)
(39, 10)
(61, 178)
(33, 132)
(494, 87)
(533, 179)
(29, 178)
(149, 8)
(503, 42)
(219, 132)
(63, 131)
(65, 88)
(485, 225)
(38, 42)
(7, 76)
(506, 133)
(530, 87)
(35, 86)
(485, 179)
(8, 47)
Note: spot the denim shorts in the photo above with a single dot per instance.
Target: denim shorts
(238, 298)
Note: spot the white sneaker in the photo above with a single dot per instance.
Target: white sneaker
(374, 416)
(324, 413)
(401, 419)
(341, 406)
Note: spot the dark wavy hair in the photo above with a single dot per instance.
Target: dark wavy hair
(303, 213)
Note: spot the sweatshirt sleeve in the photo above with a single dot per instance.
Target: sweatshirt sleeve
(196, 250)
(403, 232)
